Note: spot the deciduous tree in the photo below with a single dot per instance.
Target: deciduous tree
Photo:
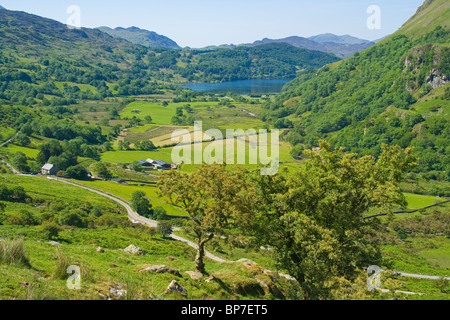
(215, 198)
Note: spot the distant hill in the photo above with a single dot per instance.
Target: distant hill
(2, 8)
(396, 92)
(38, 54)
(345, 39)
(140, 36)
(341, 49)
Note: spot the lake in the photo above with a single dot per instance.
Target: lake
(240, 86)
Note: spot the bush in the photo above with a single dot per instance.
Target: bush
(73, 218)
(76, 172)
(50, 230)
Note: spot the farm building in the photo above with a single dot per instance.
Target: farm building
(145, 163)
(49, 169)
(161, 165)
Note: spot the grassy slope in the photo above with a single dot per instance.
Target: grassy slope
(101, 271)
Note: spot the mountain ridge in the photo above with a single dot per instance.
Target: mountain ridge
(141, 36)
(341, 50)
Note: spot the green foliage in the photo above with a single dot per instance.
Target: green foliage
(144, 145)
(14, 193)
(313, 217)
(76, 172)
(159, 213)
(370, 98)
(50, 230)
(141, 204)
(19, 161)
(269, 61)
(74, 218)
(164, 228)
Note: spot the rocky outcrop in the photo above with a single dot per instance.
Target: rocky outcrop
(436, 79)
(162, 269)
(132, 249)
(174, 286)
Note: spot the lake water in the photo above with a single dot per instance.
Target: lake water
(240, 87)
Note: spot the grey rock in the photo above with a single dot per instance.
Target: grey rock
(162, 269)
(174, 286)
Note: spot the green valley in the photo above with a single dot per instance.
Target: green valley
(93, 120)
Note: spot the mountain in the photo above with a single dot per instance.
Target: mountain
(268, 61)
(345, 39)
(395, 92)
(142, 37)
(2, 8)
(40, 57)
(341, 50)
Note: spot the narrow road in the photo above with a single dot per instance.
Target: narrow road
(136, 218)
(9, 140)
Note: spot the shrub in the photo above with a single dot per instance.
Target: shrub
(73, 218)
(50, 230)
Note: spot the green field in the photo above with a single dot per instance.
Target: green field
(160, 115)
(126, 191)
(417, 201)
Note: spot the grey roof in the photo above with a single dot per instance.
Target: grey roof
(160, 163)
(47, 166)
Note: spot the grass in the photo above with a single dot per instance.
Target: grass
(417, 201)
(114, 266)
(12, 252)
(12, 148)
(126, 191)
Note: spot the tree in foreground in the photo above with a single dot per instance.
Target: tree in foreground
(216, 199)
(313, 218)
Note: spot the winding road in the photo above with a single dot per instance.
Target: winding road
(136, 218)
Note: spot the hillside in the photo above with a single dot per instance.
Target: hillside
(269, 61)
(42, 58)
(143, 37)
(396, 92)
(338, 46)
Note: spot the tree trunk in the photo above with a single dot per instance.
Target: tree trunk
(199, 263)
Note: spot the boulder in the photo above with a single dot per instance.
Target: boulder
(174, 286)
(132, 249)
(162, 269)
(54, 243)
(118, 291)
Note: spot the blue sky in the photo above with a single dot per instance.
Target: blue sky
(198, 23)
